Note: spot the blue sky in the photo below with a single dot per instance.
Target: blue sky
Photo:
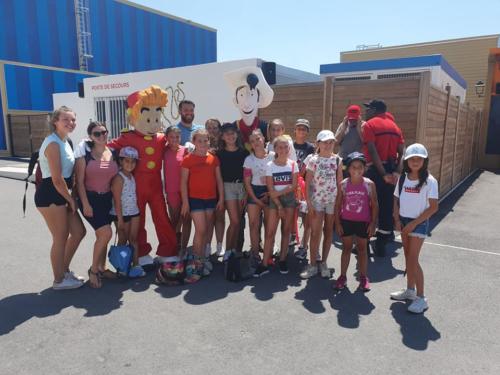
(305, 34)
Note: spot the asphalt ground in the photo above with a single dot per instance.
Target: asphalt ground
(275, 324)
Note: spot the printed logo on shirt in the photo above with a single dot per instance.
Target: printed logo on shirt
(413, 190)
(282, 178)
(354, 201)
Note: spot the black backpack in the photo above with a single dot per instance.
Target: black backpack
(238, 267)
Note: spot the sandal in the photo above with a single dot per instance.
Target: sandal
(108, 274)
(97, 275)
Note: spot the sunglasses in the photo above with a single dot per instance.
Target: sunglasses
(98, 134)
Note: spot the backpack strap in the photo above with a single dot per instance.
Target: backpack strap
(31, 167)
(401, 182)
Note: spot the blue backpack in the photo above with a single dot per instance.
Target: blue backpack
(120, 257)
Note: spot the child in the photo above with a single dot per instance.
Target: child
(324, 173)
(281, 180)
(213, 127)
(254, 170)
(302, 149)
(231, 156)
(201, 184)
(415, 201)
(277, 129)
(172, 160)
(125, 212)
(356, 213)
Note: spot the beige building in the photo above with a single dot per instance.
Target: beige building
(469, 56)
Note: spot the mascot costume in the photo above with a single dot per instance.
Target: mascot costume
(144, 113)
(250, 91)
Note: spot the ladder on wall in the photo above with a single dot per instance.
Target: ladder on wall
(83, 34)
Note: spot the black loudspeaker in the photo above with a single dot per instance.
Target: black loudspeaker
(269, 71)
(497, 88)
(81, 92)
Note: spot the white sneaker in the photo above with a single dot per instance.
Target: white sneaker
(72, 275)
(220, 249)
(418, 306)
(146, 260)
(325, 271)
(404, 294)
(67, 283)
(309, 272)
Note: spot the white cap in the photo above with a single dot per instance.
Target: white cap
(239, 77)
(416, 149)
(129, 152)
(325, 135)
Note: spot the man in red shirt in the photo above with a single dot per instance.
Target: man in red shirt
(383, 146)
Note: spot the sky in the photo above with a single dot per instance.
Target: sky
(306, 34)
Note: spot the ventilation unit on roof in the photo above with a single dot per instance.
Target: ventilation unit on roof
(398, 75)
(353, 78)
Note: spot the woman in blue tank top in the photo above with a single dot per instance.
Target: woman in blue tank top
(54, 200)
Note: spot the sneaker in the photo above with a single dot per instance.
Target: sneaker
(325, 271)
(364, 284)
(404, 294)
(301, 253)
(67, 283)
(72, 275)
(136, 271)
(309, 272)
(146, 260)
(283, 267)
(418, 306)
(219, 250)
(341, 282)
(261, 270)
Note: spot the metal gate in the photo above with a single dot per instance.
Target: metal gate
(113, 112)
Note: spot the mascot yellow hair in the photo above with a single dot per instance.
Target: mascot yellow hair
(153, 96)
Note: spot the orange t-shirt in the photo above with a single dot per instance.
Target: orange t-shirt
(201, 183)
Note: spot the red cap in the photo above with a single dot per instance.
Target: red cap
(353, 112)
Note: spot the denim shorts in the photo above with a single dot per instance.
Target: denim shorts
(420, 231)
(259, 191)
(196, 204)
(234, 191)
(286, 200)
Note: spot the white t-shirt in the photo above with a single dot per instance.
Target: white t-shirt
(258, 168)
(414, 201)
(291, 154)
(281, 174)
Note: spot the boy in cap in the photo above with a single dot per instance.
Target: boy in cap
(349, 133)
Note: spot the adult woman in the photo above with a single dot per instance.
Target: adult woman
(94, 172)
(54, 200)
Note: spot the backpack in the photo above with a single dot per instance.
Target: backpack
(238, 267)
(38, 174)
(401, 182)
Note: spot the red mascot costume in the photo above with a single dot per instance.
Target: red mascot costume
(144, 111)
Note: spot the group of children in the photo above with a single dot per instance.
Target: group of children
(276, 182)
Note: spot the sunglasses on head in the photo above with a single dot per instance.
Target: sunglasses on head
(98, 134)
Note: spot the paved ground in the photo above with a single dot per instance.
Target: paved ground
(277, 324)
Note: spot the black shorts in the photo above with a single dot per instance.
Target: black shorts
(126, 218)
(46, 194)
(354, 228)
(101, 205)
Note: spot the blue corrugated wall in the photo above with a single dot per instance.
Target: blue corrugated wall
(3, 145)
(32, 88)
(124, 38)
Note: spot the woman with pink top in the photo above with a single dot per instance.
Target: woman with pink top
(94, 172)
(172, 160)
(356, 213)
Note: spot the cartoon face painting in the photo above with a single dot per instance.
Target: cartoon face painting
(247, 101)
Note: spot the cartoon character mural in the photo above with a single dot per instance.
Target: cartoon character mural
(144, 112)
(250, 92)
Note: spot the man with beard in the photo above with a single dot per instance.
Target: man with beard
(186, 126)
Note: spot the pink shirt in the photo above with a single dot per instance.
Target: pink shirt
(172, 161)
(98, 175)
(356, 202)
